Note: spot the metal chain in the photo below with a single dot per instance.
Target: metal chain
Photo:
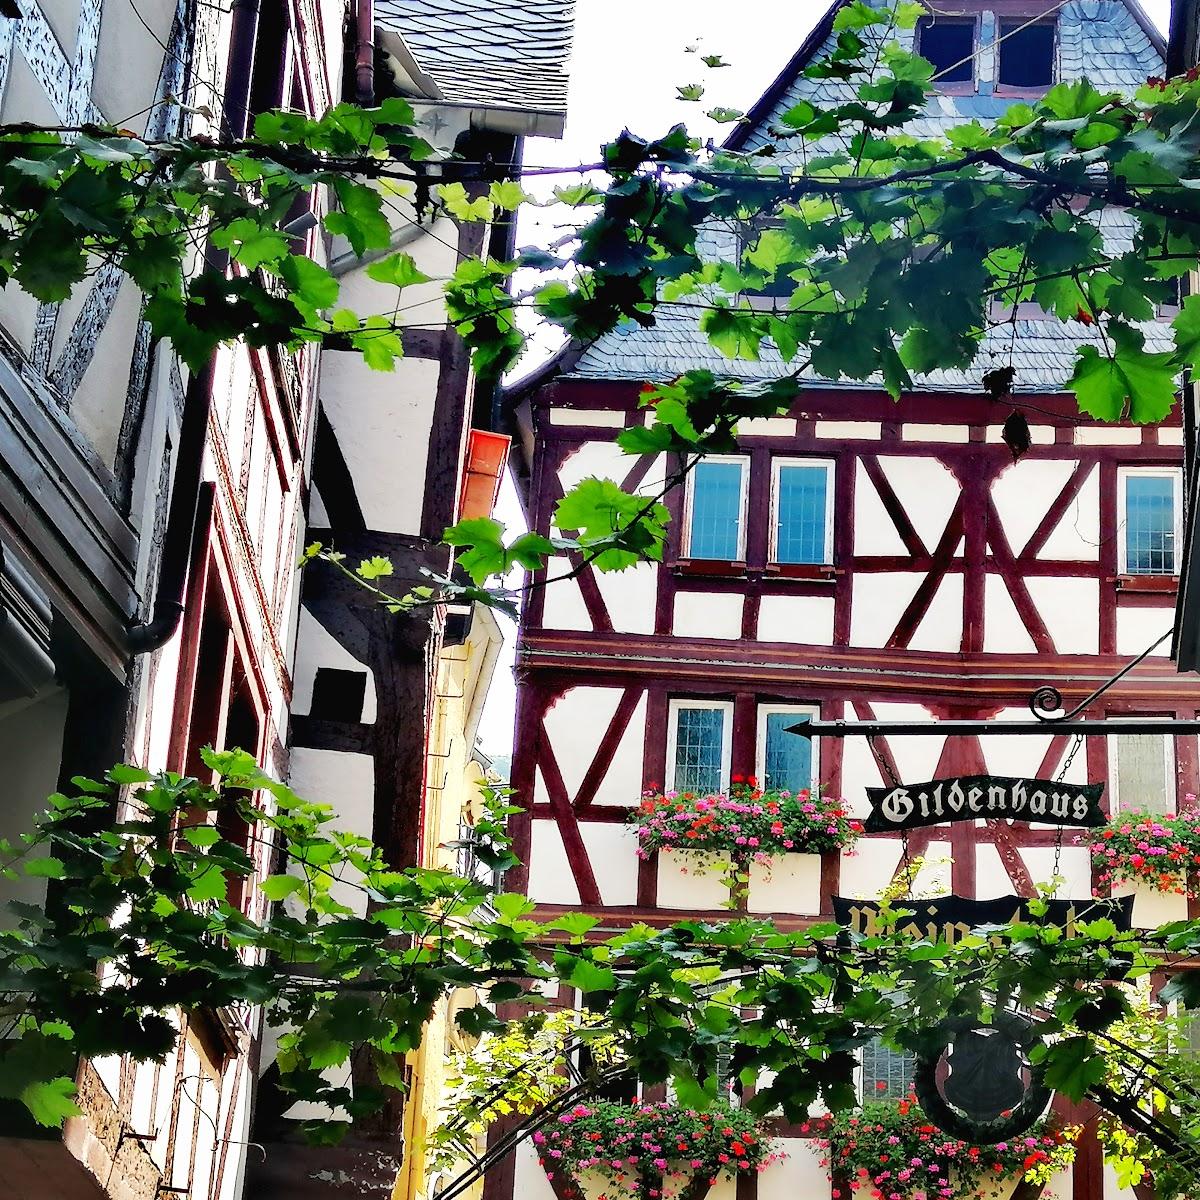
(885, 768)
(1059, 776)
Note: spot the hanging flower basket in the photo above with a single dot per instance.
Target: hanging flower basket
(1158, 851)
(746, 823)
(888, 1150)
(651, 1151)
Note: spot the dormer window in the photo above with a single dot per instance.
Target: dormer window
(949, 44)
(1026, 55)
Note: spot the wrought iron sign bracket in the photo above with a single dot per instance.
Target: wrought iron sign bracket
(1044, 703)
(1101, 728)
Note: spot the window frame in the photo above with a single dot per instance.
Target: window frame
(743, 461)
(777, 464)
(860, 1071)
(1124, 473)
(1114, 772)
(958, 86)
(773, 708)
(673, 709)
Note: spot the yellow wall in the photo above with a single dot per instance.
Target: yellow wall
(453, 779)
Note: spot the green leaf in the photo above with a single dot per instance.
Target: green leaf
(690, 91)
(312, 286)
(587, 976)
(46, 868)
(375, 567)
(279, 887)
(397, 269)
(125, 774)
(1129, 380)
(202, 836)
(507, 195)
(460, 205)
(250, 243)
(51, 1102)
(1073, 1065)
(209, 884)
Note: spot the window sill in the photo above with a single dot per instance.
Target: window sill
(1147, 583)
(709, 566)
(820, 572)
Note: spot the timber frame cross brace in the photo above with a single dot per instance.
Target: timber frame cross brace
(1045, 703)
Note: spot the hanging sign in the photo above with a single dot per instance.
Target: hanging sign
(990, 797)
(950, 918)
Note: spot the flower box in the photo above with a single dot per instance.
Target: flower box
(788, 884)
(693, 881)
(1153, 908)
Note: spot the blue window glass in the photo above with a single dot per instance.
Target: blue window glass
(699, 742)
(800, 533)
(1150, 524)
(787, 765)
(716, 511)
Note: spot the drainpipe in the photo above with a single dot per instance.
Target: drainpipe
(364, 54)
(146, 636)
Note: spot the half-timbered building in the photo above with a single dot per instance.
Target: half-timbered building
(857, 558)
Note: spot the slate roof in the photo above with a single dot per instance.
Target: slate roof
(494, 53)
(1102, 38)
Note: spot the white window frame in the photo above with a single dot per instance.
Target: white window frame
(1172, 784)
(1175, 474)
(777, 465)
(760, 751)
(673, 709)
(743, 461)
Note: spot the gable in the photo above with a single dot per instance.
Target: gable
(1110, 41)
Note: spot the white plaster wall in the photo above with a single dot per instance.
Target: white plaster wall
(859, 772)
(366, 408)
(1003, 630)
(803, 620)
(869, 868)
(680, 886)
(917, 431)
(916, 758)
(708, 615)
(1074, 866)
(1024, 493)
(1022, 755)
(530, 1182)
(878, 603)
(1112, 1191)
(874, 531)
(564, 607)
(629, 596)
(991, 879)
(347, 783)
(317, 647)
(799, 1176)
(586, 417)
(1138, 628)
(574, 724)
(612, 851)
(941, 626)
(1070, 609)
(550, 878)
(622, 783)
(1077, 534)
(870, 431)
(928, 491)
(604, 460)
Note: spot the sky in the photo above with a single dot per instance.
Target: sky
(628, 59)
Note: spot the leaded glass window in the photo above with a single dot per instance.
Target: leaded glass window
(700, 746)
(1143, 772)
(887, 1074)
(785, 759)
(715, 517)
(802, 512)
(1151, 502)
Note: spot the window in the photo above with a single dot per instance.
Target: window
(786, 761)
(1150, 506)
(338, 695)
(950, 46)
(881, 1065)
(717, 508)
(699, 742)
(1143, 770)
(802, 501)
(778, 286)
(1026, 54)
